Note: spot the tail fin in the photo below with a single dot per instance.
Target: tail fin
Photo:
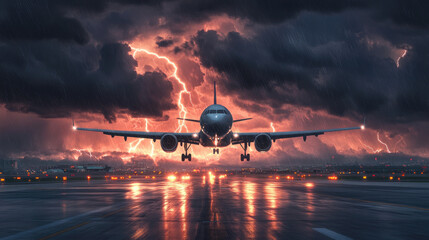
(214, 83)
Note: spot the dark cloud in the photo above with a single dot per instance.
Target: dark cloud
(59, 57)
(161, 42)
(260, 11)
(28, 20)
(48, 79)
(322, 62)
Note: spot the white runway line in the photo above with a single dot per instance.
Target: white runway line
(27, 234)
(331, 234)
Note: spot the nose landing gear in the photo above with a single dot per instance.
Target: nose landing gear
(244, 156)
(215, 150)
(186, 155)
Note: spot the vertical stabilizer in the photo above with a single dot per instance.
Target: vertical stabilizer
(214, 84)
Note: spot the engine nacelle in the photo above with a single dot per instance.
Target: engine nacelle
(169, 142)
(263, 142)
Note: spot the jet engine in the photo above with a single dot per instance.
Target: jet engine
(169, 142)
(263, 142)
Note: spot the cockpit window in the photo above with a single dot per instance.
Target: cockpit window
(221, 111)
(212, 111)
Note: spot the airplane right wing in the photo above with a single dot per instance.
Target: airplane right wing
(250, 137)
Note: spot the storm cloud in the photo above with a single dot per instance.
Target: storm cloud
(349, 59)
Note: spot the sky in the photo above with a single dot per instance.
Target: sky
(289, 65)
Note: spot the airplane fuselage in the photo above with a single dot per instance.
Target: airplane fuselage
(216, 124)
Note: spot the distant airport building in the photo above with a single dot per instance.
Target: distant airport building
(6, 165)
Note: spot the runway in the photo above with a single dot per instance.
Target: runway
(213, 208)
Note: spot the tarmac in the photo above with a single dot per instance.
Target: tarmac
(215, 208)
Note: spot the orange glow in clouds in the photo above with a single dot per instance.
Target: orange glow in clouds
(183, 111)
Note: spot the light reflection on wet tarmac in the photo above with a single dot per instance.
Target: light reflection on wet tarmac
(213, 208)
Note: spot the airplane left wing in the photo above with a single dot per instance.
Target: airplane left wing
(250, 137)
(181, 137)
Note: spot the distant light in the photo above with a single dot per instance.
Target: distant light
(390, 178)
(235, 135)
(114, 178)
(195, 135)
(88, 177)
(364, 177)
(332, 177)
(171, 178)
(309, 185)
(277, 177)
(2, 180)
(64, 178)
(362, 127)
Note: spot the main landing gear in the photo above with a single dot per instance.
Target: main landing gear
(186, 155)
(244, 156)
(215, 150)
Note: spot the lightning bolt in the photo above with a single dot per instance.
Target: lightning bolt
(183, 110)
(387, 147)
(134, 144)
(372, 149)
(400, 57)
(272, 127)
(83, 150)
(401, 139)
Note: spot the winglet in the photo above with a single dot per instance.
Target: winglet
(214, 90)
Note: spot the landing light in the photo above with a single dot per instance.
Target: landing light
(195, 135)
(235, 135)
(171, 177)
(362, 127)
(74, 127)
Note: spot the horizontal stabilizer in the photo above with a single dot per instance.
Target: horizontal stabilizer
(190, 120)
(243, 119)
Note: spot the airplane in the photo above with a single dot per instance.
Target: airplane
(216, 131)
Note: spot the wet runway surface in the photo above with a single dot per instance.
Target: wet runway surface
(229, 208)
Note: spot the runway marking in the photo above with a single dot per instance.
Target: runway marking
(331, 234)
(64, 230)
(374, 202)
(23, 235)
(114, 212)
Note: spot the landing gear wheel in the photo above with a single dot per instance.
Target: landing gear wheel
(186, 155)
(244, 156)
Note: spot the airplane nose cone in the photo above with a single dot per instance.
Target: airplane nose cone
(217, 124)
